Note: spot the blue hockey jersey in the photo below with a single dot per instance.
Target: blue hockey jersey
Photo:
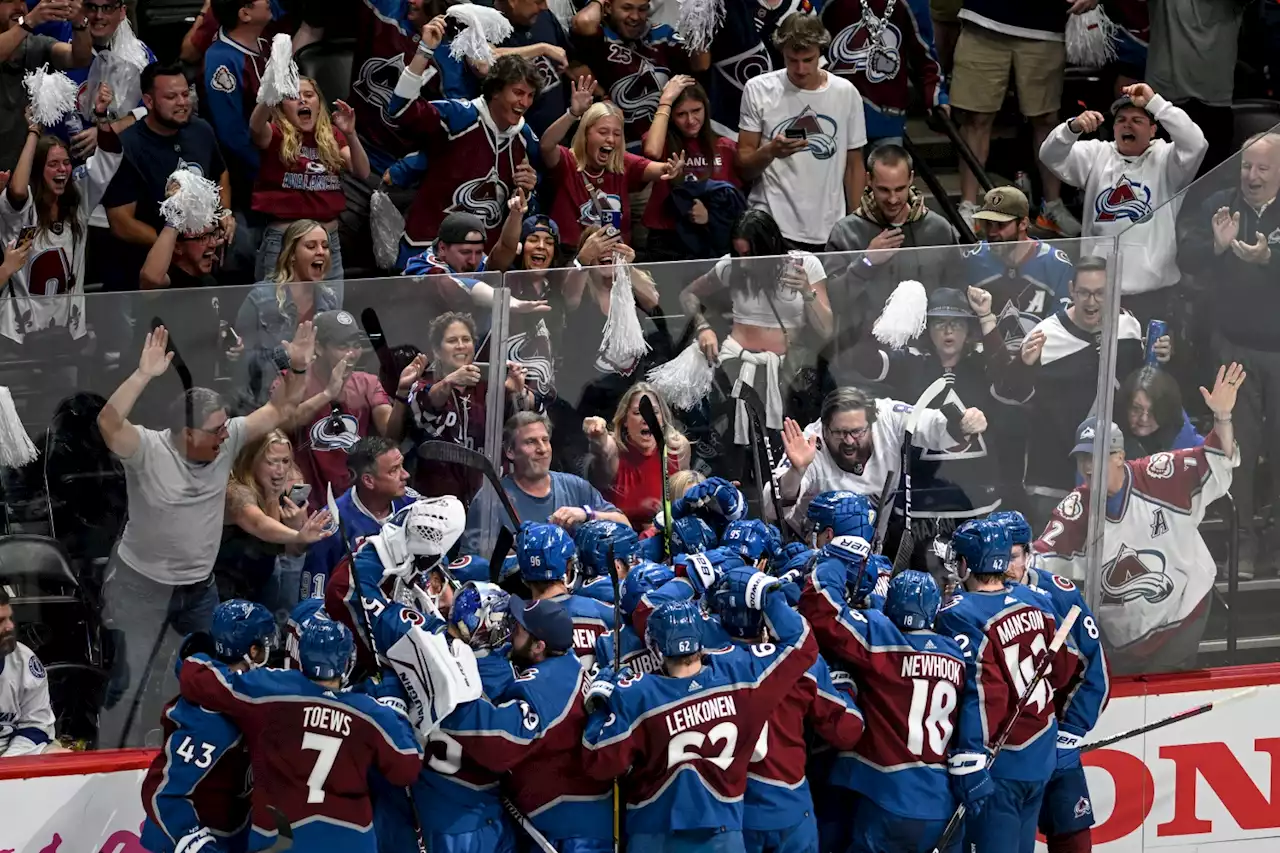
(601, 589)
(1004, 635)
(591, 618)
(685, 743)
(1024, 294)
(909, 685)
(1081, 706)
(359, 524)
(635, 653)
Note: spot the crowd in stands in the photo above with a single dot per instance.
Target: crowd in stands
(740, 193)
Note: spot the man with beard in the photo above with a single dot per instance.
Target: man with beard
(168, 139)
(26, 717)
(891, 215)
(1027, 278)
(857, 444)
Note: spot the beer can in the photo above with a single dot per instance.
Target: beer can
(1156, 329)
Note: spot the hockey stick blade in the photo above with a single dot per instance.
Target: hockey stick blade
(755, 408)
(456, 454)
(501, 548)
(284, 831)
(532, 831)
(650, 416)
(1169, 720)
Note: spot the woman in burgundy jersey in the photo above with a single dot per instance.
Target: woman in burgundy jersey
(594, 179)
(305, 154)
(623, 459)
(682, 125)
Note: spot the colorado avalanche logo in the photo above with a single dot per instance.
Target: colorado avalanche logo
(853, 52)
(1015, 325)
(1126, 200)
(376, 81)
(548, 74)
(637, 94)
(315, 167)
(485, 197)
(1134, 575)
(1071, 507)
(1160, 466)
(820, 130)
(49, 273)
(326, 435)
(737, 70)
(610, 211)
(538, 368)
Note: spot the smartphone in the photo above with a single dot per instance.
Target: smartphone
(26, 236)
(230, 340)
(796, 133)
(483, 366)
(299, 494)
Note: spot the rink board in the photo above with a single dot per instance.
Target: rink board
(1211, 783)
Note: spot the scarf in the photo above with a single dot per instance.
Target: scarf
(871, 212)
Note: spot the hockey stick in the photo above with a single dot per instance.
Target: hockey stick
(612, 566)
(456, 454)
(501, 547)
(532, 831)
(905, 542)
(659, 435)
(755, 409)
(886, 511)
(1169, 720)
(284, 831)
(1060, 637)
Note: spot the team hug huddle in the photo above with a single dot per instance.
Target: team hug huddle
(712, 687)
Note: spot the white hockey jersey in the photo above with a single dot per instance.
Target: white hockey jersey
(824, 475)
(26, 717)
(1135, 198)
(1156, 568)
(49, 291)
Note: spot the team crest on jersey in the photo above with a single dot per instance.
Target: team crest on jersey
(35, 667)
(1135, 575)
(1160, 466)
(548, 74)
(223, 80)
(1274, 236)
(1071, 507)
(975, 447)
(411, 617)
(485, 197)
(741, 68)
(1126, 200)
(336, 432)
(1083, 807)
(854, 49)
(1159, 524)
(377, 78)
(49, 273)
(609, 213)
(637, 94)
(820, 132)
(1063, 584)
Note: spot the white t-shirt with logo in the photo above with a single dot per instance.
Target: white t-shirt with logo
(804, 192)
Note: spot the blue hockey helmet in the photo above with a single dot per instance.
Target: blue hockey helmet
(467, 569)
(238, 626)
(595, 538)
(789, 557)
(751, 539)
(692, 535)
(1015, 523)
(675, 629)
(984, 546)
(913, 600)
(728, 600)
(545, 553)
(640, 580)
(844, 513)
(326, 648)
(479, 615)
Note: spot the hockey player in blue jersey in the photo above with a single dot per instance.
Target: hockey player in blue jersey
(595, 541)
(548, 562)
(839, 513)
(689, 535)
(636, 655)
(752, 540)
(779, 813)
(196, 791)
(715, 500)
(1004, 631)
(684, 737)
(1067, 813)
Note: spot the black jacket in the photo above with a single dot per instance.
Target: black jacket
(724, 203)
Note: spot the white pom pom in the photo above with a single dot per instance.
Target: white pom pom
(1090, 39)
(16, 448)
(280, 77)
(623, 338)
(698, 22)
(194, 207)
(52, 95)
(684, 380)
(126, 45)
(903, 317)
(386, 224)
(482, 27)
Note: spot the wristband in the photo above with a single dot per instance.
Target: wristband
(809, 295)
(428, 52)
(984, 316)
(591, 513)
(1222, 420)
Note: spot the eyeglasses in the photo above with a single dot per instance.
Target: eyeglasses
(101, 9)
(949, 324)
(846, 434)
(220, 430)
(1138, 413)
(1090, 295)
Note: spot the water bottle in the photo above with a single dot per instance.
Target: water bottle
(1156, 329)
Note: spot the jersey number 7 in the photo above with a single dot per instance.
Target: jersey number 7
(327, 747)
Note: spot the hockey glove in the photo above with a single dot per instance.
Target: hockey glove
(702, 573)
(198, 841)
(751, 585)
(842, 680)
(716, 497)
(602, 687)
(970, 780)
(1068, 750)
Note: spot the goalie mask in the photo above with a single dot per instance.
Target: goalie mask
(479, 616)
(413, 545)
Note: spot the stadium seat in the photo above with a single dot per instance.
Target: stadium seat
(1253, 116)
(56, 615)
(329, 62)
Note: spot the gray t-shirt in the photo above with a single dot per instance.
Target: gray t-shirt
(30, 55)
(1192, 49)
(176, 507)
(566, 490)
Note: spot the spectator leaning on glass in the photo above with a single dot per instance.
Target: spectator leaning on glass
(622, 461)
(1149, 404)
(291, 295)
(264, 521)
(537, 492)
(160, 575)
(26, 715)
(1132, 189)
(775, 296)
(801, 134)
(1157, 572)
(1233, 248)
(21, 50)
(305, 155)
(341, 405)
(46, 207)
(448, 404)
(856, 444)
(891, 215)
